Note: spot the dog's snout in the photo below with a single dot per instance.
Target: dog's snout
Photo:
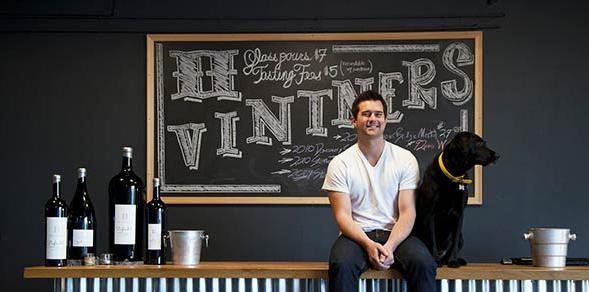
(486, 156)
(491, 158)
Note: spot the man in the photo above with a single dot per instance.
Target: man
(371, 188)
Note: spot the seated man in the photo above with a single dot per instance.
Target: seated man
(371, 188)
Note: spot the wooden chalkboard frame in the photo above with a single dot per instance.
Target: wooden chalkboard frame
(476, 36)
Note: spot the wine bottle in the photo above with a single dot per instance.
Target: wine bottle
(156, 227)
(56, 212)
(126, 211)
(81, 222)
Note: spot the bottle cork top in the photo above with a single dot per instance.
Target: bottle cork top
(81, 172)
(128, 152)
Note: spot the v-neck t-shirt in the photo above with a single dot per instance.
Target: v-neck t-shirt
(373, 190)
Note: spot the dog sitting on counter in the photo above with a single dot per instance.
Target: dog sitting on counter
(441, 196)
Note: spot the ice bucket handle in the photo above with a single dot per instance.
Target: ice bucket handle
(530, 236)
(206, 238)
(166, 238)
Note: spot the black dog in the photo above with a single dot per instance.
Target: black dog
(442, 196)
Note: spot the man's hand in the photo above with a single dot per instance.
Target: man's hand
(388, 259)
(379, 256)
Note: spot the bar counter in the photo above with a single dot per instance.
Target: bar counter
(300, 276)
(300, 270)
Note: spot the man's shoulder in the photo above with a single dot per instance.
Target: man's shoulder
(344, 159)
(348, 153)
(397, 150)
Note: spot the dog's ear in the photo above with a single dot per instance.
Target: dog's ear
(459, 146)
(473, 149)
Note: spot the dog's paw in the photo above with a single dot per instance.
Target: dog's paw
(457, 263)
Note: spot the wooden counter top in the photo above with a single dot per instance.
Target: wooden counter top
(298, 270)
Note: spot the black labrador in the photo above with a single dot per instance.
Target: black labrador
(442, 196)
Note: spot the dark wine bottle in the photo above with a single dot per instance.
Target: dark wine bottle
(56, 212)
(126, 211)
(81, 222)
(156, 227)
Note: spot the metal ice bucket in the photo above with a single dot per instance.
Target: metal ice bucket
(186, 246)
(549, 246)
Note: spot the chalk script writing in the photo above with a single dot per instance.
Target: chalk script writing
(268, 66)
(318, 83)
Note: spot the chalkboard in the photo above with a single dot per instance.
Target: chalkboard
(256, 118)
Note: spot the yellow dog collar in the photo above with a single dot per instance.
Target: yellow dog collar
(456, 179)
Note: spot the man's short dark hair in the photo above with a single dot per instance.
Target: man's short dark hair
(368, 95)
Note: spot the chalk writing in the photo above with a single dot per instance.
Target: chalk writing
(423, 139)
(307, 161)
(268, 117)
(315, 127)
(228, 135)
(268, 66)
(263, 117)
(189, 144)
(189, 75)
(386, 48)
(353, 67)
(449, 87)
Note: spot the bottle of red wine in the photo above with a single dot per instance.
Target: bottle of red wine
(156, 227)
(81, 222)
(126, 210)
(56, 212)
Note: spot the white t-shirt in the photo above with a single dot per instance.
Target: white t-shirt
(373, 190)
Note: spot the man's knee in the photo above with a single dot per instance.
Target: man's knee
(347, 257)
(417, 259)
(345, 264)
(424, 263)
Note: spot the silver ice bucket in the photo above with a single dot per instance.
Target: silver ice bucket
(549, 246)
(186, 246)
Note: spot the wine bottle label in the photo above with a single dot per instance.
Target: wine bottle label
(56, 238)
(154, 236)
(125, 224)
(83, 237)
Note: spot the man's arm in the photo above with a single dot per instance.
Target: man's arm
(404, 224)
(342, 211)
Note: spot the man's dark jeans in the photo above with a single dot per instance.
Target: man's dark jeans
(348, 261)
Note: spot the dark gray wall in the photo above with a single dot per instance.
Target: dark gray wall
(72, 92)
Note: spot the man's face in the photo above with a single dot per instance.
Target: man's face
(371, 120)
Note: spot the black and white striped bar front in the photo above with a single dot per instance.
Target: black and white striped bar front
(299, 276)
